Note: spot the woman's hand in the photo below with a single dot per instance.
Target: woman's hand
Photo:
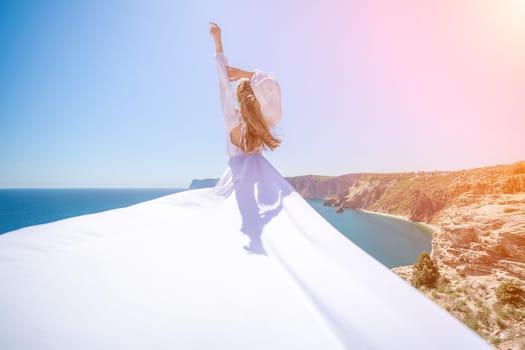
(237, 73)
(215, 31)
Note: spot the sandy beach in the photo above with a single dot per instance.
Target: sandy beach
(428, 227)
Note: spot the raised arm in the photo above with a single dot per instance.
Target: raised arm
(265, 86)
(229, 113)
(215, 31)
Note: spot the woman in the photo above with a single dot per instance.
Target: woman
(259, 188)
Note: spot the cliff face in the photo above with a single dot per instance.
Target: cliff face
(478, 217)
(479, 213)
(319, 187)
(482, 234)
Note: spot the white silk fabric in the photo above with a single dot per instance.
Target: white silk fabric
(247, 264)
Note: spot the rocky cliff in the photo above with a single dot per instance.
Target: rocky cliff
(479, 237)
(479, 213)
(319, 187)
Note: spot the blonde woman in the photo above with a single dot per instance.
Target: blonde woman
(259, 189)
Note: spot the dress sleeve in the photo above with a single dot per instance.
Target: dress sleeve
(268, 92)
(229, 112)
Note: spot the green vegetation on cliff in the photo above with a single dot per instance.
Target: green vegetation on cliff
(425, 272)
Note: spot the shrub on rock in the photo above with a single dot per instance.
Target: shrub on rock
(426, 272)
(511, 293)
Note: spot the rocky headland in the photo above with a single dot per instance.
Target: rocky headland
(478, 216)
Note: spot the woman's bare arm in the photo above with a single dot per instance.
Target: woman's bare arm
(237, 73)
(215, 31)
(233, 72)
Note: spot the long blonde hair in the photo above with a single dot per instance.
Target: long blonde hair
(257, 132)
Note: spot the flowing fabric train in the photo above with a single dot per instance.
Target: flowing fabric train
(246, 264)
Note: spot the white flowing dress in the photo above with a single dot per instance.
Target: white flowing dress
(247, 264)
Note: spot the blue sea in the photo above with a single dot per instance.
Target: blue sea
(394, 242)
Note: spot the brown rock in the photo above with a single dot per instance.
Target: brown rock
(422, 207)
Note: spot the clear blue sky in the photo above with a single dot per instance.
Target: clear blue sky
(125, 93)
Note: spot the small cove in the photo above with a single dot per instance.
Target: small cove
(392, 241)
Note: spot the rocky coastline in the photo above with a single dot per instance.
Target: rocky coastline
(478, 217)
